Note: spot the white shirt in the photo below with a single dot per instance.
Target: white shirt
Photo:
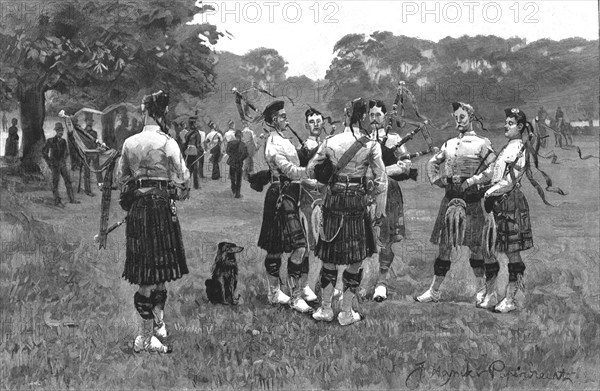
(282, 158)
(151, 154)
(497, 173)
(462, 156)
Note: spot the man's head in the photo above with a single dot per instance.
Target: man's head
(15, 121)
(357, 111)
(463, 115)
(314, 122)
(377, 112)
(156, 105)
(275, 115)
(58, 128)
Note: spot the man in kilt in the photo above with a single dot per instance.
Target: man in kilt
(281, 230)
(509, 206)
(151, 164)
(463, 156)
(311, 197)
(347, 236)
(393, 228)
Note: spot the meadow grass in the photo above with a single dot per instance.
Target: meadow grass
(68, 320)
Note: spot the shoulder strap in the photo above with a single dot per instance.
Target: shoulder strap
(350, 153)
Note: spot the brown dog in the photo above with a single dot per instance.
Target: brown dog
(220, 289)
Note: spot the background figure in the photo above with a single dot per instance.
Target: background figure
(12, 142)
(249, 140)
(541, 129)
(237, 152)
(93, 161)
(193, 153)
(55, 154)
(213, 144)
(77, 161)
(559, 117)
(4, 122)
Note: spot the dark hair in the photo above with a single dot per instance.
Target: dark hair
(358, 107)
(521, 118)
(377, 103)
(310, 112)
(156, 106)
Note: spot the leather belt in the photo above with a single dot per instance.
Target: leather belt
(456, 180)
(343, 179)
(159, 184)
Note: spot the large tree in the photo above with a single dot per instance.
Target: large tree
(100, 52)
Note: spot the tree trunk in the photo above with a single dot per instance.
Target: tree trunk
(33, 112)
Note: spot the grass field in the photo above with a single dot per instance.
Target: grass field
(68, 320)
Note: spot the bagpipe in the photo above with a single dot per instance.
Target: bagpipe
(260, 179)
(397, 117)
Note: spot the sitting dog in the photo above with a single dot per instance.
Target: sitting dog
(221, 287)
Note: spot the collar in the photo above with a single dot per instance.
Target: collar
(151, 128)
(469, 133)
(517, 141)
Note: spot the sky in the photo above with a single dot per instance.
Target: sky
(305, 32)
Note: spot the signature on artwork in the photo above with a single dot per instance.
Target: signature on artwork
(497, 369)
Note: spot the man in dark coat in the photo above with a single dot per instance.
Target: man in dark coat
(55, 155)
(237, 152)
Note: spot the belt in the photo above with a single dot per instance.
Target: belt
(280, 179)
(456, 180)
(159, 184)
(347, 179)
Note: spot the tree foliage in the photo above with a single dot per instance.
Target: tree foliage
(102, 52)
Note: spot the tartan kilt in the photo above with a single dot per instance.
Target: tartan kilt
(513, 224)
(393, 229)
(347, 233)
(281, 230)
(155, 250)
(475, 220)
(308, 197)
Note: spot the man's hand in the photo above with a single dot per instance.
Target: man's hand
(465, 185)
(404, 165)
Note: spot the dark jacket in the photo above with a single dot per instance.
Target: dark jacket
(55, 151)
(237, 152)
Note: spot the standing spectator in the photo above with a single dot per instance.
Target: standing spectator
(12, 142)
(194, 152)
(213, 144)
(4, 122)
(55, 155)
(237, 152)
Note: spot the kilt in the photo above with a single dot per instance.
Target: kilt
(155, 251)
(308, 197)
(347, 234)
(281, 230)
(513, 224)
(393, 228)
(474, 215)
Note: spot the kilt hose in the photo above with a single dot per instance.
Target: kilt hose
(393, 228)
(474, 216)
(513, 223)
(347, 233)
(281, 230)
(155, 250)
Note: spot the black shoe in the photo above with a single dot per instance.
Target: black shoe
(75, 202)
(89, 193)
